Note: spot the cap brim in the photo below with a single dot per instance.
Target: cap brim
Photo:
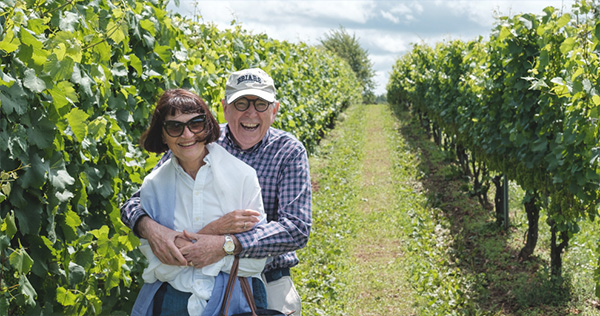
(269, 97)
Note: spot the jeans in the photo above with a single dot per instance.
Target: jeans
(170, 302)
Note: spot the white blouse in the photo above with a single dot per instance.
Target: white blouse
(197, 203)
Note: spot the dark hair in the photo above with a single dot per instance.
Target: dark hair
(170, 103)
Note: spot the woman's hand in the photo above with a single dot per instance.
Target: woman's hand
(238, 221)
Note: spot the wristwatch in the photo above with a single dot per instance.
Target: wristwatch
(229, 245)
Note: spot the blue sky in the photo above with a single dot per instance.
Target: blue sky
(385, 28)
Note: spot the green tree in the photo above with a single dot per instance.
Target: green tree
(347, 47)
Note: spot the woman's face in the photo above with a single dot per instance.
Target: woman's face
(186, 147)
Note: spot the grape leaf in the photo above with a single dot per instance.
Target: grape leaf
(10, 43)
(77, 120)
(65, 297)
(21, 261)
(27, 290)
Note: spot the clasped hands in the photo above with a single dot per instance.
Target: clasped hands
(196, 249)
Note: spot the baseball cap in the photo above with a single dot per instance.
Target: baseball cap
(253, 81)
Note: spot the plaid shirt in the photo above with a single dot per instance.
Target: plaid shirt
(281, 164)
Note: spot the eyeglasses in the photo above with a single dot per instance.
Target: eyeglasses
(195, 125)
(243, 104)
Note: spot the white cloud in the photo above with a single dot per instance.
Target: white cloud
(402, 12)
(390, 17)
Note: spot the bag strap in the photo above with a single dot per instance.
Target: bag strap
(244, 284)
(248, 294)
(230, 285)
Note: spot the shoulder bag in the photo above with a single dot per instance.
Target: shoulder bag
(247, 290)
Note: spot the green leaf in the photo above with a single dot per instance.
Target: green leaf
(35, 175)
(77, 120)
(60, 179)
(6, 80)
(27, 290)
(21, 261)
(568, 45)
(136, 63)
(60, 51)
(563, 20)
(14, 99)
(59, 176)
(37, 26)
(4, 242)
(97, 128)
(4, 305)
(8, 225)
(112, 280)
(149, 26)
(504, 33)
(9, 43)
(32, 82)
(85, 257)
(76, 274)
(101, 234)
(119, 70)
(164, 52)
(64, 196)
(72, 219)
(38, 54)
(96, 303)
(63, 94)
(115, 32)
(103, 244)
(41, 132)
(102, 52)
(29, 214)
(69, 21)
(59, 69)
(83, 80)
(75, 53)
(65, 297)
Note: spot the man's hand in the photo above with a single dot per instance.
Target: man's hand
(162, 241)
(234, 222)
(205, 250)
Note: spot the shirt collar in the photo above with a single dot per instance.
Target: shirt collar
(179, 168)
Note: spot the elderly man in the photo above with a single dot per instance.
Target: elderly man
(281, 163)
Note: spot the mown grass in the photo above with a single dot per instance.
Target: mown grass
(379, 277)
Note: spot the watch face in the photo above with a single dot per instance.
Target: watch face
(229, 246)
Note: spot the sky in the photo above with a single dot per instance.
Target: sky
(386, 29)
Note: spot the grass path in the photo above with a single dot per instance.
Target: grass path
(355, 263)
(380, 279)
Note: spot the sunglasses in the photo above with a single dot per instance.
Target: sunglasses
(195, 125)
(243, 104)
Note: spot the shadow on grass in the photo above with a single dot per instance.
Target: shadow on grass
(505, 286)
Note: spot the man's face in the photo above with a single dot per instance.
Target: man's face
(249, 126)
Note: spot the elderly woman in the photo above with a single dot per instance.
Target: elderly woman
(201, 183)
